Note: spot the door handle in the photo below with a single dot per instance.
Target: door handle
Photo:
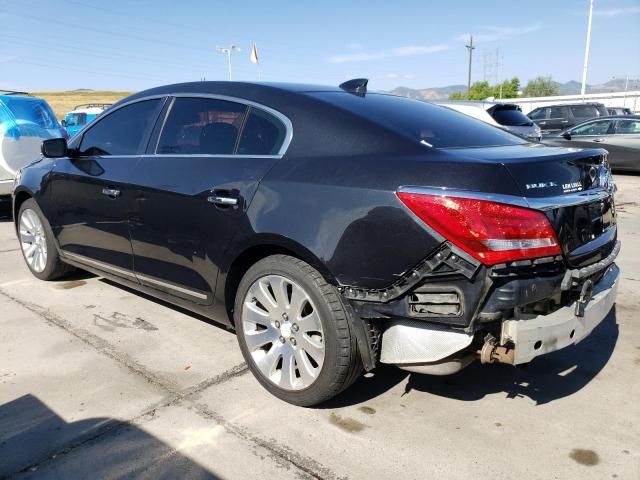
(564, 121)
(599, 140)
(223, 201)
(111, 192)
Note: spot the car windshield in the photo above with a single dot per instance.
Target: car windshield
(429, 124)
(76, 119)
(511, 117)
(32, 111)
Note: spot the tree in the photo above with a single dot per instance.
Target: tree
(482, 90)
(540, 87)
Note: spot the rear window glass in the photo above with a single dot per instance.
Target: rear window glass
(432, 125)
(262, 135)
(557, 112)
(584, 111)
(627, 127)
(27, 110)
(202, 126)
(511, 117)
(76, 119)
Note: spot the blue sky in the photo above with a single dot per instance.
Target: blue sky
(131, 45)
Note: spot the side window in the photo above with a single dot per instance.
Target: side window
(557, 112)
(202, 126)
(584, 111)
(538, 114)
(628, 127)
(593, 128)
(120, 132)
(263, 134)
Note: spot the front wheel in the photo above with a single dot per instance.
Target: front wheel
(294, 332)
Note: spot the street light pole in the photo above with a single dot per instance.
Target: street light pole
(586, 52)
(227, 51)
(471, 48)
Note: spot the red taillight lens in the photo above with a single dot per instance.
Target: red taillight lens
(489, 231)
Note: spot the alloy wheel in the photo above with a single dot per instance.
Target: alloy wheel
(283, 332)
(33, 240)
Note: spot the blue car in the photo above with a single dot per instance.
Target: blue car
(76, 119)
(25, 121)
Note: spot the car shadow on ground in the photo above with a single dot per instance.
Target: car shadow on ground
(38, 443)
(548, 378)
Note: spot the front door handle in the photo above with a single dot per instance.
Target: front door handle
(599, 140)
(111, 192)
(223, 201)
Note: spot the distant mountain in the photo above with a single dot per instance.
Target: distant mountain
(571, 87)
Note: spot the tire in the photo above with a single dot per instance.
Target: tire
(271, 341)
(37, 244)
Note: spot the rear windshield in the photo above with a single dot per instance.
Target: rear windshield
(28, 110)
(429, 124)
(511, 117)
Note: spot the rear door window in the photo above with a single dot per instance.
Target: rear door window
(202, 126)
(121, 132)
(594, 128)
(628, 127)
(263, 134)
(584, 111)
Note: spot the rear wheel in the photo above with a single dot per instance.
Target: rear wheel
(294, 332)
(37, 244)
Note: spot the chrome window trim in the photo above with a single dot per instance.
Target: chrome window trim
(542, 203)
(249, 103)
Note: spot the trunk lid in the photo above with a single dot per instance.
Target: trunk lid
(574, 188)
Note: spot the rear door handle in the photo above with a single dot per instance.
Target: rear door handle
(222, 201)
(111, 192)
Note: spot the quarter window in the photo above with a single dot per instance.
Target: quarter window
(121, 132)
(628, 127)
(584, 111)
(262, 135)
(593, 128)
(202, 126)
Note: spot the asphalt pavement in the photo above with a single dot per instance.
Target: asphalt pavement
(98, 381)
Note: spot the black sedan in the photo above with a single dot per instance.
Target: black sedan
(331, 228)
(619, 135)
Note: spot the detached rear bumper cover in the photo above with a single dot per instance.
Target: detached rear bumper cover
(547, 333)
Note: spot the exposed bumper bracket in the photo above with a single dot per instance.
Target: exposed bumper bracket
(580, 273)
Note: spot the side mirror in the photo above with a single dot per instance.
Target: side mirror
(566, 135)
(54, 148)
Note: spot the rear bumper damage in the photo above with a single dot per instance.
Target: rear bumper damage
(427, 348)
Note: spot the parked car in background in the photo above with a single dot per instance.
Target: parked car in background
(508, 116)
(559, 117)
(76, 119)
(619, 135)
(619, 111)
(332, 228)
(25, 121)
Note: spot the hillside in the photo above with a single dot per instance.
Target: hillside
(64, 101)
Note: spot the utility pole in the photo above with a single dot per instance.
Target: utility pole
(586, 52)
(227, 51)
(471, 48)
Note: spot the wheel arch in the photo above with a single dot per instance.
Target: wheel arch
(19, 197)
(262, 246)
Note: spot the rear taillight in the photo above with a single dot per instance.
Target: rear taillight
(489, 231)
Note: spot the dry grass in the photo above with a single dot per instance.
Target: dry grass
(63, 102)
